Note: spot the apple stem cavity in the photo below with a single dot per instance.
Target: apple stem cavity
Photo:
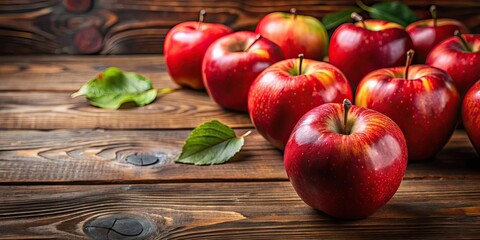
(346, 106)
(433, 12)
(464, 42)
(254, 41)
(201, 18)
(410, 54)
(300, 56)
(294, 12)
(355, 16)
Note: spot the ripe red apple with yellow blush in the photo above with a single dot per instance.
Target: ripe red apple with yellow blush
(232, 63)
(421, 99)
(426, 34)
(459, 56)
(357, 49)
(295, 34)
(344, 160)
(290, 88)
(471, 115)
(184, 48)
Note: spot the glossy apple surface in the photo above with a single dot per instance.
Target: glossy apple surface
(357, 51)
(471, 115)
(184, 48)
(425, 106)
(460, 63)
(281, 95)
(229, 68)
(345, 175)
(295, 34)
(425, 35)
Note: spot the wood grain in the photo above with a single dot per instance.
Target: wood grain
(426, 209)
(128, 26)
(69, 73)
(64, 156)
(57, 110)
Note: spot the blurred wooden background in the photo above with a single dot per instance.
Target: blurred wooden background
(132, 26)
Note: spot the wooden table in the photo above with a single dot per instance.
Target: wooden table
(64, 171)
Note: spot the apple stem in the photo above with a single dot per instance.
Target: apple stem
(409, 61)
(433, 12)
(346, 106)
(201, 18)
(294, 12)
(300, 56)
(254, 41)
(355, 16)
(245, 134)
(464, 42)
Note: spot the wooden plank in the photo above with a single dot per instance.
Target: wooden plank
(101, 156)
(127, 26)
(424, 209)
(57, 110)
(69, 73)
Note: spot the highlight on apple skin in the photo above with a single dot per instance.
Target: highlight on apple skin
(471, 115)
(421, 99)
(459, 56)
(295, 34)
(285, 91)
(368, 45)
(427, 33)
(232, 63)
(346, 162)
(185, 46)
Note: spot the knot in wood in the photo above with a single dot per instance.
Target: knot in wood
(88, 40)
(145, 159)
(115, 227)
(77, 6)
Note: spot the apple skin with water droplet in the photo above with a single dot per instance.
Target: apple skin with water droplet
(346, 174)
(471, 115)
(280, 96)
(425, 36)
(184, 48)
(295, 34)
(462, 65)
(425, 105)
(357, 51)
(232, 63)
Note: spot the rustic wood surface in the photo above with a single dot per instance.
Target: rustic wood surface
(101, 156)
(54, 110)
(65, 171)
(423, 209)
(129, 26)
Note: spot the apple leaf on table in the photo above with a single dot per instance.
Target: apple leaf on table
(390, 11)
(211, 143)
(113, 87)
(333, 20)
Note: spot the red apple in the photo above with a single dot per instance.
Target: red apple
(459, 58)
(471, 115)
(346, 166)
(295, 34)
(287, 90)
(357, 49)
(184, 48)
(232, 63)
(426, 34)
(421, 99)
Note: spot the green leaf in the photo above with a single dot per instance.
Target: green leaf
(211, 143)
(333, 20)
(113, 87)
(390, 11)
